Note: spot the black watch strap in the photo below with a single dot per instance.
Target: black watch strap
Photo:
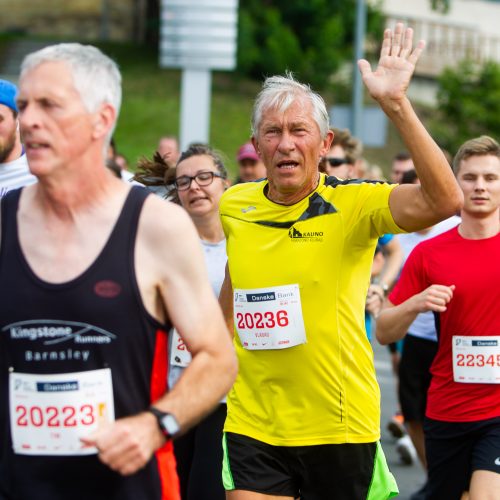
(166, 422)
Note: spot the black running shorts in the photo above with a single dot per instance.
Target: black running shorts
(455, 450)
(319, 472)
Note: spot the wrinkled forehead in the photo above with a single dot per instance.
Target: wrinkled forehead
(294, 112)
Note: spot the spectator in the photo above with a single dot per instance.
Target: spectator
(250, 166)
(168, 147)
(343, 155)
(14, 170)
(401, 163)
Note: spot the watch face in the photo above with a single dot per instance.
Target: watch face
(170, 425)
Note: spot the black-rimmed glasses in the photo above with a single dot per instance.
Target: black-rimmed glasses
(336, 162)
(183, 182)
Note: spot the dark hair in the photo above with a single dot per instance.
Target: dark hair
(352, 146)
(402, 156)
(194, 149)
(200, 149)
(154, 172)
(161, 172)
(409, 177)
(114, 167)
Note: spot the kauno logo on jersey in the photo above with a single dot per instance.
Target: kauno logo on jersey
(297, 236)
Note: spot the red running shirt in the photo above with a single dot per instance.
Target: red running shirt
(473, 266)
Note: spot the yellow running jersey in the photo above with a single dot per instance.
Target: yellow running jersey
(323, 391)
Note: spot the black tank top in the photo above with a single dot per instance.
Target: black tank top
(94, 321)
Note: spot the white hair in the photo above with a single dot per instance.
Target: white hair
(96, 77)
(279, 92)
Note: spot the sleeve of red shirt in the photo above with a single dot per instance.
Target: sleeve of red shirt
(413, 277)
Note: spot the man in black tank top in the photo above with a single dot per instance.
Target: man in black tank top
(93, 274)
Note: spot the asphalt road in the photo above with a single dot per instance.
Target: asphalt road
(409, 477)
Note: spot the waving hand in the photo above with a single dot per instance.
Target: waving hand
(396, 65)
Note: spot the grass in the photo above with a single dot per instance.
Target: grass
(151, 100)
(150, 108)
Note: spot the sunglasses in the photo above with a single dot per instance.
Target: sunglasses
(336, 162)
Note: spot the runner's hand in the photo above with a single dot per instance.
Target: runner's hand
(435, 298)
(374, 300)
(127, 444)
(395, 67)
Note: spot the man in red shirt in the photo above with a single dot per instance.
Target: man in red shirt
(456, 275)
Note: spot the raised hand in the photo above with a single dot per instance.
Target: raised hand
(389, 82)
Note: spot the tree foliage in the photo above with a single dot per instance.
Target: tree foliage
(468, 104)
(442, 6)
(311, 38)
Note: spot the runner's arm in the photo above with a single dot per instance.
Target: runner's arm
(394, 320)
(413, 207)
(226, 301)
(172, 260)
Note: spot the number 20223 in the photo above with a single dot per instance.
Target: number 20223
(52, 416)
(269, 319)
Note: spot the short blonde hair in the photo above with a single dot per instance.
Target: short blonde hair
(480, 146)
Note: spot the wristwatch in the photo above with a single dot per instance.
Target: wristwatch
(166, 422)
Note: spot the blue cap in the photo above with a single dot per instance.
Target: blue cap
(8, 93)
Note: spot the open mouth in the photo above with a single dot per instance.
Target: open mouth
(287, 165)
(35, 146)
(197, 199)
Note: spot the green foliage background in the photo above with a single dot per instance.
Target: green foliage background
(312, 38)
(468, 104)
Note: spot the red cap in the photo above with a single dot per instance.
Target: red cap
(247, 152)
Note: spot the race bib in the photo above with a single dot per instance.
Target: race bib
(269, 318)
(50, 413)
(476, 360)
(179, 354)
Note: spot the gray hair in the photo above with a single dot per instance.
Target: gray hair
(279, 92)
(96, 77)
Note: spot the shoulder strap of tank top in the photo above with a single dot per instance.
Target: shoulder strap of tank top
(125, 231)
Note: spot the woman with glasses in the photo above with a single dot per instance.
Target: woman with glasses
(198, 182)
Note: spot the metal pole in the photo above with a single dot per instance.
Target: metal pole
(104, 27)
(195, 106)
(357, 92)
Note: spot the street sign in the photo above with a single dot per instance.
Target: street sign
(198, 34)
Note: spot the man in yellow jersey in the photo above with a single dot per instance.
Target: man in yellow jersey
(303, 414)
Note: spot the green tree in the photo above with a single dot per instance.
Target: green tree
(468, 104)
(312, 38)
(442, 6)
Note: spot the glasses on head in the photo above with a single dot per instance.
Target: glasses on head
(336, 162)
(183, 182)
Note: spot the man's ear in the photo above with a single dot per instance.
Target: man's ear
(104, 120)
(327, 143)
(255, 144)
